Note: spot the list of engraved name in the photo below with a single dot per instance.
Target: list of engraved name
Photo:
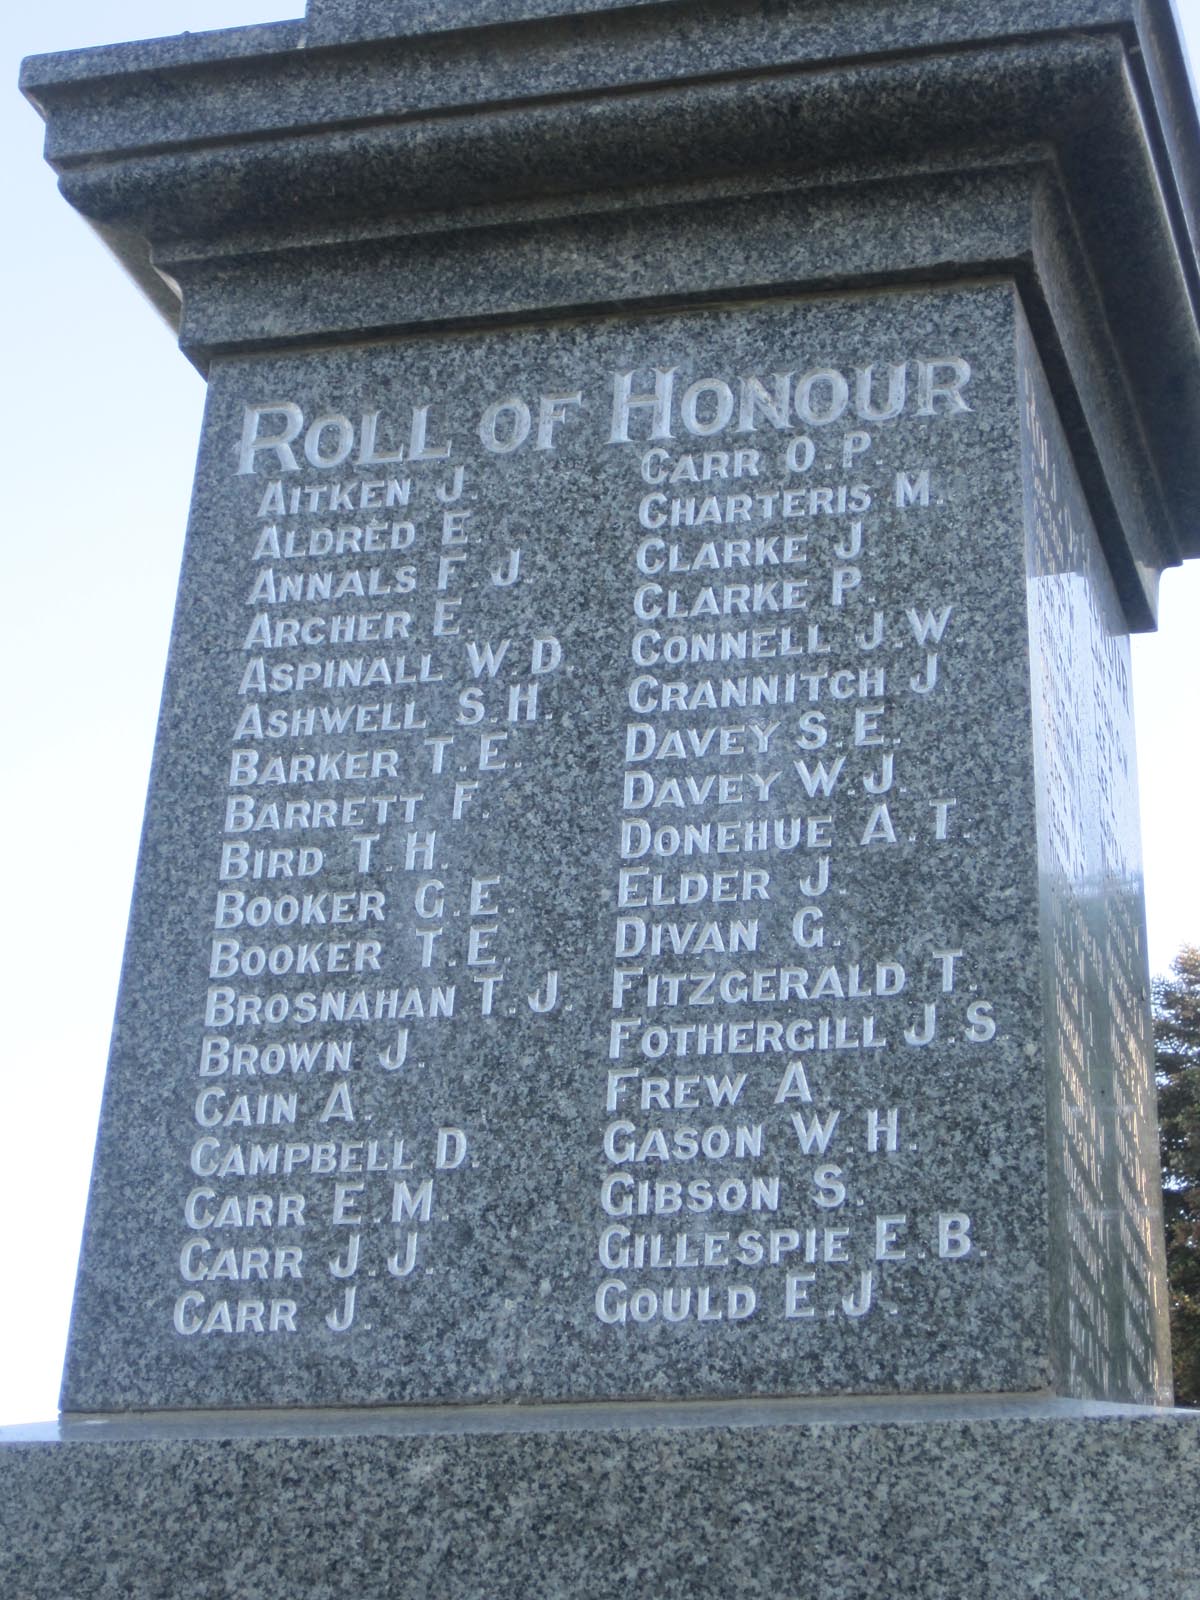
(771, 699)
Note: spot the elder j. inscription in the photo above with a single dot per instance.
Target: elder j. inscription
(589, 893)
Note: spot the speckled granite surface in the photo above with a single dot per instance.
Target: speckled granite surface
(1083, 1508)
(607, 136)
(840, 992)
(526, 1257)
(573, 376)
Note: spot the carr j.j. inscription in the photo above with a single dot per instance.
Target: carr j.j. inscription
(586, 935)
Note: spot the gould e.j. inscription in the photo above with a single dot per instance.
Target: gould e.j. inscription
(587, 938)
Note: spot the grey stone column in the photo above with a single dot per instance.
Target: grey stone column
(633, 1066)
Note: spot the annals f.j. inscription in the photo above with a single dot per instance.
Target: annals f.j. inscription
(586, 939)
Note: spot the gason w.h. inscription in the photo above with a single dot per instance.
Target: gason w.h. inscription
(589, 895)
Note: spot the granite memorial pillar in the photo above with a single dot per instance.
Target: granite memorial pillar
(632, 1069)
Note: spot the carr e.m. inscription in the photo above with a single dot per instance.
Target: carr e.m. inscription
(585, 939)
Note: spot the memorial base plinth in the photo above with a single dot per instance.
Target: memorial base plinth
(780, 1499)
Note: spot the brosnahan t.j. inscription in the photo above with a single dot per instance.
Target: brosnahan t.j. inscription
(587, 932)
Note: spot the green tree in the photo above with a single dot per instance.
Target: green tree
(1177, 1065)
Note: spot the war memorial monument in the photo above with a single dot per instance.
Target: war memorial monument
(632, 1072)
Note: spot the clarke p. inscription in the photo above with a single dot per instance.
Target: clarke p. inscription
(586, 934)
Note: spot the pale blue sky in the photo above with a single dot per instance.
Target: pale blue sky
(98, 419)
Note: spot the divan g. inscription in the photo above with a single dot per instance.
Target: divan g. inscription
(357, 925)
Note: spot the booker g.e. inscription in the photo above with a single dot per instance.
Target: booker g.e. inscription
(589, 888)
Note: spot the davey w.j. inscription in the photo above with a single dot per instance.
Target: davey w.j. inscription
(587, 929)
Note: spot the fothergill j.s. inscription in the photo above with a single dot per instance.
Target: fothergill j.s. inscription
(586, 940)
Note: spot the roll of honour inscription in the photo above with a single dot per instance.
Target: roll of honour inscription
(605, 960)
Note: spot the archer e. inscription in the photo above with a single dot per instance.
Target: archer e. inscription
(600, 951)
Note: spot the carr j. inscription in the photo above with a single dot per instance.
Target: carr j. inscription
(586, 932)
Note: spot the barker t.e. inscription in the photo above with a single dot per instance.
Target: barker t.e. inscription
(586, 939)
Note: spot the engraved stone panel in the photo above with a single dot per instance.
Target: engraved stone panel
(1108, 1271)
(587, 938)
(639, 893)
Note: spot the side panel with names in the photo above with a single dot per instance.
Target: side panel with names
(1108, 1272)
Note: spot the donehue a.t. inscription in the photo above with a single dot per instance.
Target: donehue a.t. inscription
(586, 935)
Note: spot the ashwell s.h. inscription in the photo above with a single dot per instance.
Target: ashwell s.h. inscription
(587, 934)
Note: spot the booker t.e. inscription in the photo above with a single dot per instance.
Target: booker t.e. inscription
(586, 937)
